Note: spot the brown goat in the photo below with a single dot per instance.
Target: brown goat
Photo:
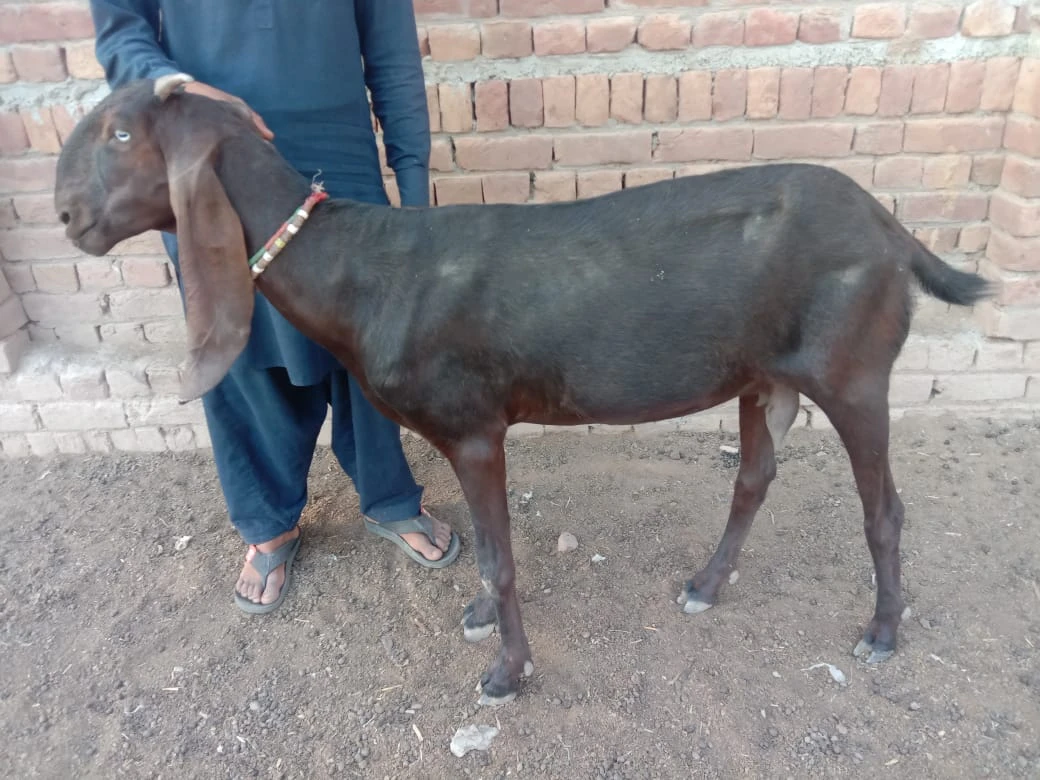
(758, 283)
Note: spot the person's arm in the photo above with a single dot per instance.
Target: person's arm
(394, 76)
(127, 40)
(127, 46)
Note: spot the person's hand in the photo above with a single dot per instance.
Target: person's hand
(198, 88)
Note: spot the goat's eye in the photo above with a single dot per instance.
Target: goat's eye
(122, 136)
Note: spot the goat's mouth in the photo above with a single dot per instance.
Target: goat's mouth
(81, 232)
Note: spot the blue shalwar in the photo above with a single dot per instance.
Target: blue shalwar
(304, 68)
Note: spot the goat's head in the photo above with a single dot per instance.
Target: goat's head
(143, 159)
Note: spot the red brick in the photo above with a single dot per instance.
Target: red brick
(13, 138)
(939, 240)
(492, 105)
(55, 277)
(45, 22)
(555, 186)
(36, 244)
(145, 271)
(729, 94)
(820, 25)
(137, 303)
(610, 34)
(718, 29)
(81, 61)
(476, 8)
(1017, 216)
(768, 27)
(1027, 93)
(662, 99)
(897, 85)
(603, 148)
(592, 99)
(1014, 290)
(807, 140)
(594, 183)
(39, 127)
(19, 276)
(695, 96)
(973, 238)
(988, 18)
(510, 153)
(704, 143)
(99, 274)
(565, 36)
(952, 134)
(1021, 176)
(1022, 135)
(663, 31)
(7, 72)
(986, 169)
(1013, 254)
(505, 39)
(548, 7)
(506, 187)
(626, 97)
(456, 107)
(1024, 18)
(27, 175)
(65, 120)
(930, 85)
(558, 95)
(878, 20)
(433, 107)
(931, 20)
(864, 91)
(763, 92)
(998, 84)
(859, 170)
(965, 91)
(525, 103)
(796, 87)
(898, 172)
(39, 63)
(946, 172)
(440, 155)
(50, 310)
(452, 42)
(828, 94)
(424, 41)
(942, 206)
(639, 177)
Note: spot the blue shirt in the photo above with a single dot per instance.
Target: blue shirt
(304, 66)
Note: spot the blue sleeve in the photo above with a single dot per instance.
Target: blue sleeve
(394, 76)
(127, 40)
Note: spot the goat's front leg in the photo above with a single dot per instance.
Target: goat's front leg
(480, 465)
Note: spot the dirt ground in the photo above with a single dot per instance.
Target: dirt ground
(124, 656)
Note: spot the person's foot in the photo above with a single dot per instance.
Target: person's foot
(250, 584)
(419, 542)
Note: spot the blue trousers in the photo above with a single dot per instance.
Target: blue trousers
(264, 428)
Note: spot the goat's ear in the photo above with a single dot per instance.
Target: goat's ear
(168, 84)
(218, 286)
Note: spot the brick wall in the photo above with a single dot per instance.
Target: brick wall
(933, 106)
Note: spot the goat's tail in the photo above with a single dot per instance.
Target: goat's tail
(945, 282)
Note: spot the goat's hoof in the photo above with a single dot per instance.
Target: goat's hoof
(479, 620)
(872, 652)
(691, 601)
(487, 700)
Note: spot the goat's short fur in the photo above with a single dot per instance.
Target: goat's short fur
(757, 283)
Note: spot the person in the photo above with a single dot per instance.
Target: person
(302, 70)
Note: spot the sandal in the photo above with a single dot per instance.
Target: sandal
(423, 523)
(265, 563)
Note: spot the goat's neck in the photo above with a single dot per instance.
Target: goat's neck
(314, 282)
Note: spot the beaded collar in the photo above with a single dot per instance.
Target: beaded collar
(289, 228)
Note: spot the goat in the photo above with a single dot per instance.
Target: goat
(757, 283)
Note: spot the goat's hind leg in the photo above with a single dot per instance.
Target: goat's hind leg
(864, 431)
(764, 421)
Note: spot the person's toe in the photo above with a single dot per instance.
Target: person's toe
(421, 544)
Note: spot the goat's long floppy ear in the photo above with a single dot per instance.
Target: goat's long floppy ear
(218, 286)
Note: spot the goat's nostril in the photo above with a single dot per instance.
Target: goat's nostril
(64, 217)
